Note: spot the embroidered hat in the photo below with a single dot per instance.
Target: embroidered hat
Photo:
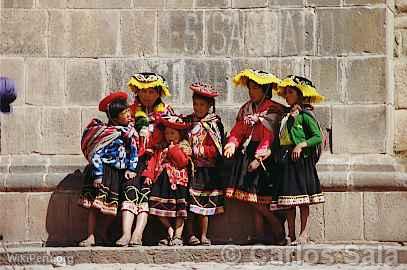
(104, 103)
(204, 89)
(7, 94)
(145, 80)
(258, 76)
(304, 85)
(174, 121)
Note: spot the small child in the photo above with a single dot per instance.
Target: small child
(299, 137)
(112, 154)
(167, 171)
(206, 137)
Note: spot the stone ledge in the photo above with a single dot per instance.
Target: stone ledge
(346, 172)
(315, 254)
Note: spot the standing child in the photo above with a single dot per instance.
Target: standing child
(167, 169)
(248, 148)
(148, 106)
(112, 154)
(299, 138)
(206, 138)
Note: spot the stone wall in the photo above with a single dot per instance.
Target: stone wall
(67, 54)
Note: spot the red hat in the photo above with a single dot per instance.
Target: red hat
(204, 89)
(173, 121)
(104, 103)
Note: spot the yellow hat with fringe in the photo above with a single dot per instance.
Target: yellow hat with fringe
(145, 80)
(302, 84)
(258, 76)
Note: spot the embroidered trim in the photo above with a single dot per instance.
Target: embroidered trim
(232, 193)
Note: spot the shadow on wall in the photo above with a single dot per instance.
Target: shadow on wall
(66, 222)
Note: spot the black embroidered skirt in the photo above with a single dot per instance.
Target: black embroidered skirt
(206, 192)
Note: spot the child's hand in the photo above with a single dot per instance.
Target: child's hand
(148, 181)
(171, 145)
(97, 183)
(253, 165)
(295, 155)
(129, 175)
(230, 149)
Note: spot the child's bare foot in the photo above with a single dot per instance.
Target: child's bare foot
(302, 240)
(135, 241)
(123, 241)
(88, 242)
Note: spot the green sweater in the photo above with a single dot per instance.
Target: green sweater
(304, 128)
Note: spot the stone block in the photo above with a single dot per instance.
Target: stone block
(282, 67)
(28, 164)
(66, 163)
(363, 80)
(224, 33)
(264, 24)
(25, 182)
(297, 32)
(52, 3)
(83, 33)
(401, 5)
(363, 2)
(286, 3)
(317, 223)
(4, 164)
(400, 141)
(241, 94)
(351, 31)
(17, 3)
(45, 81)
(23, 32)
(119, 72)
(68, 181)
(343, 213)
(61, 129)
(323, 3)
(99, 4)
(384, 214)
(249, 3)
(137, 36)
(400, 77)
(180, 33)
(211, 71)
(13, 229)
(212, 3)
(228, 115)
(58, 223)
(13, 68)
(323, 113)
(84, 82)
(359, 129)
(324, 75)
(88, 113)
(180, 4)
(21, 131)
(159, 4)
(37, 216)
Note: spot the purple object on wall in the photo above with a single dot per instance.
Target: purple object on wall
(7, 94)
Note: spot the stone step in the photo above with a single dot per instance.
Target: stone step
(324, 254)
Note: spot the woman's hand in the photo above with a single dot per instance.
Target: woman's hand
(129, 175)
(97, 183)
(253, 165)
(230, 149)
(296, 154)
(148, 181)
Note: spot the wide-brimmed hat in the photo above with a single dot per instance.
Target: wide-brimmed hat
(145, 80)
(258, 76)
(174, 121)
(104, 103)
(204, 89)
(304, 85)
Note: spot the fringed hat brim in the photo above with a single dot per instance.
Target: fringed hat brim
(306, 90)
(135, 85)
(259, 77)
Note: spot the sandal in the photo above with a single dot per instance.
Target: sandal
(165, 242)
(177, 241)
(206, 242)
(193, 241)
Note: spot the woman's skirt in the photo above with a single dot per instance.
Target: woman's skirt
(297, 181)
(165, 201)
(135, 193)
(106, 198)
(240, 184)
(206, 192)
